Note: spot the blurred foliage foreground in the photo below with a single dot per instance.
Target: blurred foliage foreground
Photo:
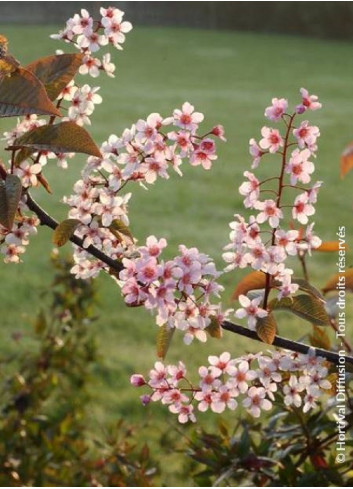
(44, 439)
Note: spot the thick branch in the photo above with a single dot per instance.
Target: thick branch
(287, 344)
(47, 220)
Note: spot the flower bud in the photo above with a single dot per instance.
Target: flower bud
(137, 380)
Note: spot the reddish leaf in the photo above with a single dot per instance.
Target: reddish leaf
(320, 339)
(55, 72)
(308, 288)
(164, 337)
(3, 46)
(305, 306)
(329, 246)
(64, 231)
(266, 329)
(347, 160)
(8, 64)
(3, 205)
(121, 231)
(214, 328)
(10, 195)
(65, 137)
(43, 181)
(335, 279)
(251, 281)
(22, 93)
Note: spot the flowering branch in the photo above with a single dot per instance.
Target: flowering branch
(287, 344)
(46, 220)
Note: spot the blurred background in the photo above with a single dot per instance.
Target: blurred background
(318, 19)
(229, 59)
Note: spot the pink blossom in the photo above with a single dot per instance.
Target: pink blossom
(255, 152)
(269, 211)
(313, 192)
(12, 252)
(90, 66)
(271, 139)
(302, 208)
(200, 157)
(222, 399)
(250, 189)
(174, 396)
(257, 255)
(205, 398)
(81, 24)
(287, 239)
(153, 168)
(115, 29)
(235, 260)
(107, 65)
(256, 401)
(223, 362)
(299, 168)
(277, 109)
(186, 118)
(218, 131)
(306, 136)
(154, 247)
(241, 376)
(158, 375)
(309, 102)
(292, 392)
(28, 173)
(185, 412)
(147, 270)
(250, 310)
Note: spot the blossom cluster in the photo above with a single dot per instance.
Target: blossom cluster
(90, 35)
(180, 291)
(143, 153)
(79, 102)
(13, 241)
(253, 381)
(267, 248)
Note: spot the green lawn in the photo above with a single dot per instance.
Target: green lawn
(230, 77)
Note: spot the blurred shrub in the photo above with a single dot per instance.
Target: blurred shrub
(44, 439)
(288, 449)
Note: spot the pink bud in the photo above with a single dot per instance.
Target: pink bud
(218, 131)
(300, 109)
(145, 399)
(137, 380)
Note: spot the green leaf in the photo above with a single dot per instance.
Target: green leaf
(55, 72)
(10, 195)
(64, 231)
(164, 337)
(305, 306)
(22, 93)
(266, 328)
(65, 137)
(214, 328)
